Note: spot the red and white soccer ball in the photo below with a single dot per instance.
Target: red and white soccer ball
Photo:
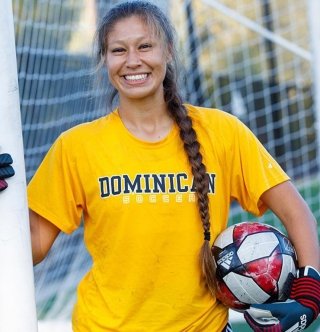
(255, 263)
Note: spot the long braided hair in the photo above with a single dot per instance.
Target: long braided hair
(153, 17)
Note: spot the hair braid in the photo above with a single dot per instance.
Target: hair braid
(201, 181)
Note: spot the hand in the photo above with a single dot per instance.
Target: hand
(295, 314)
(6, 169)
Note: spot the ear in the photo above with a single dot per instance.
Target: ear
(169, 56)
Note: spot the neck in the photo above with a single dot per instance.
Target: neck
(149, 121)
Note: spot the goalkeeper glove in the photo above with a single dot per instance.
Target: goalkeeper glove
(6, 169)
(295, 314)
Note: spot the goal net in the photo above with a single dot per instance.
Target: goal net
(253, 59)
(250, 58)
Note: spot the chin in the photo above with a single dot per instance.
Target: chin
(135, 95)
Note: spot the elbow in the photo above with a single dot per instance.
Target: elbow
(36, 258)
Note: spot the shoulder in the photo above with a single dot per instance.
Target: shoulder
(84, 138)
(212, 118)
(222, 128)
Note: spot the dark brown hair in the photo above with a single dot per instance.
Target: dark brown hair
(155, 19)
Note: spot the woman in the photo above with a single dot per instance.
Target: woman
(153, 181)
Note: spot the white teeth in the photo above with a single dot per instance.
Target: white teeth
(136, 77)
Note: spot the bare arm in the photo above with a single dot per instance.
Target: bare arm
(43, 234)
(286, 202)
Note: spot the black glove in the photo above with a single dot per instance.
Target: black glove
(295, 314)
(6, 169)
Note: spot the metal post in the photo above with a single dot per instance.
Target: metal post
(273, 82)
(194, 72)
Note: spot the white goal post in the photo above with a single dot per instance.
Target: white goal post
(17, 300)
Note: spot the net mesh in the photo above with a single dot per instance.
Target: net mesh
(249, 58)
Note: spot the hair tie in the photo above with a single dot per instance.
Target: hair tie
(206, 235)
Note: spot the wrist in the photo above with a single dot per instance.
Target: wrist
(306, 289)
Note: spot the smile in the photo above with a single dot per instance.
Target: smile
(138, 77)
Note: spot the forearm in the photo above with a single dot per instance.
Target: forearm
(304, 237)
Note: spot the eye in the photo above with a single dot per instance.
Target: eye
(145, 46)
(118, 50)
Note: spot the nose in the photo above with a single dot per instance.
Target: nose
(133, 59)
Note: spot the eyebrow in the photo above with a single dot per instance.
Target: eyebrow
(139, 39)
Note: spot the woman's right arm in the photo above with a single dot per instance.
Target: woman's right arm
(43, 234)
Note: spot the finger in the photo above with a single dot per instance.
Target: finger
(6, 172)
(5, 159)
(3, 185)
(278, 309)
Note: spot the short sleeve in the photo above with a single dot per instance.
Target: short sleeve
(254, 171)
(55, 190)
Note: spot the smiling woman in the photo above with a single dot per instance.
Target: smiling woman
(153, 182)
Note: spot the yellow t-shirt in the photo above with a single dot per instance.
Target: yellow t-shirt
(141, 221)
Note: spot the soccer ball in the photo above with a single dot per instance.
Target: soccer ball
(255, 263)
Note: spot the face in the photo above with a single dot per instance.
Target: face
(136, 60)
